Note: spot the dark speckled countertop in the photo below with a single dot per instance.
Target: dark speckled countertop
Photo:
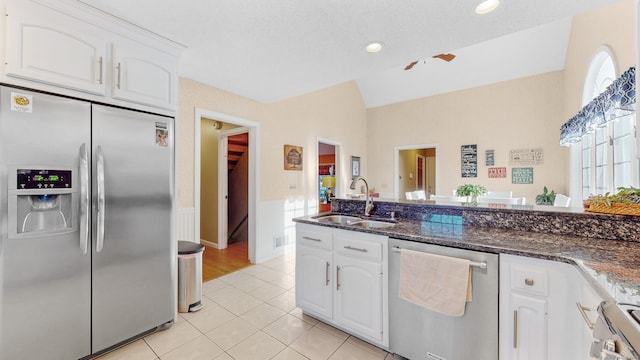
(611, 266)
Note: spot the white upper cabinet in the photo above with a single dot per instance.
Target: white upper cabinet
(51, 47)
(143, 74)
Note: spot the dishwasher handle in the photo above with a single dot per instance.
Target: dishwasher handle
(481, 265)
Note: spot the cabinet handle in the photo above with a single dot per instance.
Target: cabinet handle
(100, 71)
(118, 77)
(356, 249)
(515, 329)
(327, 275)
(529, 282)
(337, 278)
(310, 238)
(583, 311)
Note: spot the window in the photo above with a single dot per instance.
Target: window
(608, 153)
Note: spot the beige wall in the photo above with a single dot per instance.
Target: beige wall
(522, 113)
(192, 95)
(336, 114)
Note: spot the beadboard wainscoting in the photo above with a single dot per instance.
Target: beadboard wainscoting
(185, 224)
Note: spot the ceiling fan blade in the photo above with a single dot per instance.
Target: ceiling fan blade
(410, 66)
(445, 57)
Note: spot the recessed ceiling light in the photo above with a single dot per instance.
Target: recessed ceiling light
(374, 47)
(487, 6)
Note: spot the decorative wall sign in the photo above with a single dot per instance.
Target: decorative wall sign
(522, 175)
(469, 157)
(489, 155)
(497, 172)
(293, 157)
(526, 157)
(355, 166)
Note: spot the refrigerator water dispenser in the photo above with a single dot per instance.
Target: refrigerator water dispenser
(41, 201)
(46, 212)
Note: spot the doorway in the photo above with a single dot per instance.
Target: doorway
(415, 170)
(206, 208)
(233, 183)
(327, 174)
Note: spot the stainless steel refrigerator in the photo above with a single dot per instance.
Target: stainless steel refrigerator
(87, 252)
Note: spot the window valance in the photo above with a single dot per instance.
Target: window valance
(619, 99)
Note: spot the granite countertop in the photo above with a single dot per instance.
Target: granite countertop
(611, 266)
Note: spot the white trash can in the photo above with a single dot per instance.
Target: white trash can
(189, 276)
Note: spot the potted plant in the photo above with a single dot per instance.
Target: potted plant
(625, 201)
(546, 198)
(471, 191)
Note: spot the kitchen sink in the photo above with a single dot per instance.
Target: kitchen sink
(338, 219)
(373, 224)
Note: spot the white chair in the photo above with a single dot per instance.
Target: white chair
(416, 195)
(445, 198)
(499, 194)
(499, 200)
(562, 201)
(420, 195)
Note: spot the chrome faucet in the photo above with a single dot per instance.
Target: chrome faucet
(368, 201)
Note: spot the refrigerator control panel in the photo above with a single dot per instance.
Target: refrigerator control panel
(43, 179)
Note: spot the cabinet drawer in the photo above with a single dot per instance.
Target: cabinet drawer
(363, 249)
(317, 239)
(531, 280)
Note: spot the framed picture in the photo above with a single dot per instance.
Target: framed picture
(293, 157)
(355, 166)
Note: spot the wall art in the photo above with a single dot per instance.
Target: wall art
(293, 157)
(469, 161)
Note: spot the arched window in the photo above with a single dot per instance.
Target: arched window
(607, 154)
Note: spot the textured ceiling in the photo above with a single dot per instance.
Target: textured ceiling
(269, 50)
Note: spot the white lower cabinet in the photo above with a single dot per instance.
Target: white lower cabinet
(315, 292)
(588, 309)
(529, 327)
(341, 278)
(538, 315)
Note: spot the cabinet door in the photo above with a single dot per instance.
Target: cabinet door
(47, 46)
(587, 308)
(314, 292)
(358, 299)
(143, 74)
(529, 328)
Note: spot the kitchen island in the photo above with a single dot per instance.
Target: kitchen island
(569, 254)
(605, 248)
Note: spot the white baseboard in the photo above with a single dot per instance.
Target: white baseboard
(209, 243)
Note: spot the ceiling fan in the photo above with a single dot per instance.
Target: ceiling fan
(445, 57)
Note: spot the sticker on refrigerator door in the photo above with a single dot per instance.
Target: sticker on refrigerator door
(161, 134)
(21, 102)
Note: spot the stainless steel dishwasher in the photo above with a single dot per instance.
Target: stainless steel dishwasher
(420, 334)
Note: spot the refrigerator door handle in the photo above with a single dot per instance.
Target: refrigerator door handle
(84, 199)
(101, 197)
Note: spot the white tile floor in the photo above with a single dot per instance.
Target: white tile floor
(250, 315)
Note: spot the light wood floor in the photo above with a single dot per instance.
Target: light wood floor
(216, 263)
